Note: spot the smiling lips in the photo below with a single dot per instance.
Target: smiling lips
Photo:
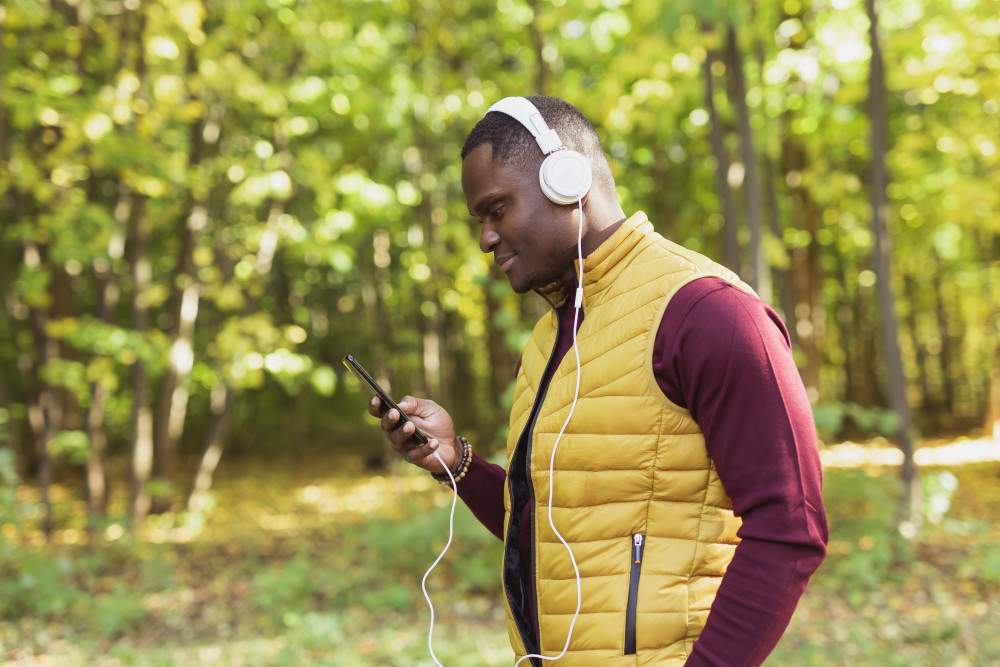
(504, 262)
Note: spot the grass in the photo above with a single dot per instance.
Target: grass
(881, 600)
(295, 566)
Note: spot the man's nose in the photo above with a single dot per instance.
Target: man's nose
(488, 237)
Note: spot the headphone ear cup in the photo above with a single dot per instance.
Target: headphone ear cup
(565, 177)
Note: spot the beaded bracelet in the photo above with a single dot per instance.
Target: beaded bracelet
(463, 468)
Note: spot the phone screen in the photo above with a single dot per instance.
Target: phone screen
(376, 389)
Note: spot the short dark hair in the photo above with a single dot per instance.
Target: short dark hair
(514, 146)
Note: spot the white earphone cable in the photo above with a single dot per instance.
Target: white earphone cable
(451, 535)
(552, 461)
(578, 302)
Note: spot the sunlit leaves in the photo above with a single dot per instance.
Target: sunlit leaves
(74, 446)
(100, 339)
(320, 143)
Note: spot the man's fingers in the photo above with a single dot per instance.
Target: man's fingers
(402, 437)
(421, 452)
(375, 407)
(390, 420)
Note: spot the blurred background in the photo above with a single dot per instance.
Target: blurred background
(206, 204)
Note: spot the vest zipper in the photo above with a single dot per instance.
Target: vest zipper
(525, 440)
(638, 543)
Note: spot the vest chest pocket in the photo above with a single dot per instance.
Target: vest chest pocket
(638, 543)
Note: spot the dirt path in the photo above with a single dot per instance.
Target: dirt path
(850, 454)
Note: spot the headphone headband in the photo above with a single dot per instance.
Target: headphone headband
(564, 175)
(522, 110)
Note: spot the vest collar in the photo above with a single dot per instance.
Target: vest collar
(598, 266)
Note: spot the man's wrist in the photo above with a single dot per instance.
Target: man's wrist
(461, 468)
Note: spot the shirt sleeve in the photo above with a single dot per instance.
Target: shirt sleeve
(482, 491)
(725, 356)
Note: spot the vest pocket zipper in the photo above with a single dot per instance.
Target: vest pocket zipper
(638, 542)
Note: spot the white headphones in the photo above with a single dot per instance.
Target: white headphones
(565, 178)
(565, 175)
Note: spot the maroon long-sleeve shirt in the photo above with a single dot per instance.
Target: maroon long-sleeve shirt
(725, 356)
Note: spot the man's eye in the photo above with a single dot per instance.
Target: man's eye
(496, 213)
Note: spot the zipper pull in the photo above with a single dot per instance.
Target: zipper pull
(637, 547)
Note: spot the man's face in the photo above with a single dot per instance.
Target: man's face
(533, 240)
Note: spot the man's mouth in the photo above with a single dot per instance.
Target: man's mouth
(505, 262)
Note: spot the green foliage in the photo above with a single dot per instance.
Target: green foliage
(312, 633)
(938, 489)
(863, 535)
(879, 599)
(36, 585)
(115, 613)
(248, 191)
(330, 586)
(85, 592)
(985, 565)
(836, 420)
(286, 586)
(73, 446)
(8, 474)
(11, 509)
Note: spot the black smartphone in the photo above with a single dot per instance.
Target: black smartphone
(369, 381)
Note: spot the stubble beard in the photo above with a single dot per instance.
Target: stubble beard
(547, 275)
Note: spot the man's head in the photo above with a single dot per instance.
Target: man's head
(514, 146)
(533, 240)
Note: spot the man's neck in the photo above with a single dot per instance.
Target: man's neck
(604, 216)
(599, 235)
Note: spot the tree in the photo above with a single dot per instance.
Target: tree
(760, 272)
(203, 207)
(730, 231)
(897, 384)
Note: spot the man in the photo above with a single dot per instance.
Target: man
(686, 480)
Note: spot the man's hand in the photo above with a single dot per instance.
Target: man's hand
(436, 424)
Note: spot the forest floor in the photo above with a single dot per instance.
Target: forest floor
(316, 562)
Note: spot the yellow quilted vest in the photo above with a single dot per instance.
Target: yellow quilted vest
(634, 481)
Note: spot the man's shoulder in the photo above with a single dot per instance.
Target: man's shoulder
(715, 290)
(711, 307)
(695, 265)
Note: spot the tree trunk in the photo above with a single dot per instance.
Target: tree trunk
(108, 293)
(172, 399)
(993, 412)
(96, 470)
(4, 134)
(435, 354)
(806, 313)
(223, 398)
(378, 318)
(541, 71)
(992, 421)
(9, 435)
(912, 291)
(730, 239)
(783, 277)
(44, 405)
(172, 396)
(759, 273)
(946, 355)
(9, 428)
(141, 422)
(502, 360)
(883, 270)
(849, 329)
(666, 215)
